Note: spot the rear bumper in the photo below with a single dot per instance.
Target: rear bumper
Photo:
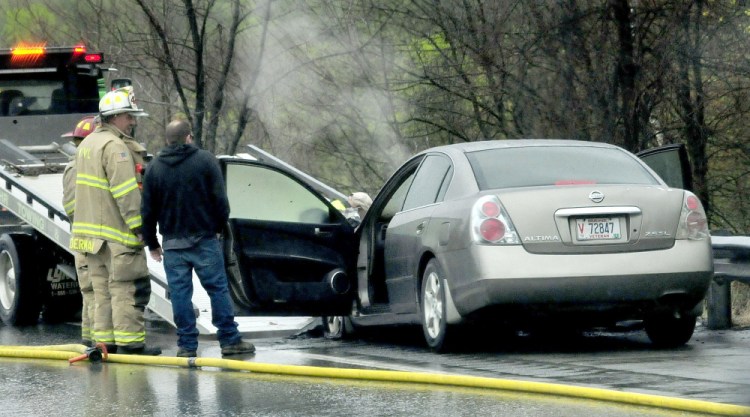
(510, 276)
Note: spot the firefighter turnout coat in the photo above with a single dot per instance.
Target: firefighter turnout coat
(107, 201)
(138, 152)
(69, 188)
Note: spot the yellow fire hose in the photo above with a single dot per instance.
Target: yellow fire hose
(68, 352)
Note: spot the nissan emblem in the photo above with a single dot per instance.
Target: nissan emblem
(596, 196)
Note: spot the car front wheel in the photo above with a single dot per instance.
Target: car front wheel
(436, 329)
(669, 330)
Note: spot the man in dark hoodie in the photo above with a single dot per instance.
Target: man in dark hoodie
(184, 193)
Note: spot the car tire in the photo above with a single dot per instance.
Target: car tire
(20, 298)
(337, 327)
(669, 331)
(437, 333)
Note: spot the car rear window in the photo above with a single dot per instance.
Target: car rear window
(35, 94)
(556, 165)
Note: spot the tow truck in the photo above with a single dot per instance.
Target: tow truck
(44, 92)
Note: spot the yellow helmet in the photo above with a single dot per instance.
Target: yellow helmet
(119, 101)
(338, 205)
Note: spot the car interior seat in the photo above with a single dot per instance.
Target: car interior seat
(20, 105)
(6, 97)
(58, 103)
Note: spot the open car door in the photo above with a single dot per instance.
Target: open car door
(288, 250)
(671, 163)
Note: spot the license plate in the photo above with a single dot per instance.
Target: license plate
(600, 228)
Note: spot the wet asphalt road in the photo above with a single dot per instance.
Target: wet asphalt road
(714, 366)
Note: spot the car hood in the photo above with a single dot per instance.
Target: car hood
(545, 217)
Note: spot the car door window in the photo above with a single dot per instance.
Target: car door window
(444, 186)
(396, 200)
(671, 163)
(260, 193)
(428, 182)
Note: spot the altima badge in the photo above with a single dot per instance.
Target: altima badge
(596, 196)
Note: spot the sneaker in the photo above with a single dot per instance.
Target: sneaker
(146, 351)
(186, 353)
(238, 348)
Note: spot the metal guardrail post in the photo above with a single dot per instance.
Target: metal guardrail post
(731, 263)
(719, 304)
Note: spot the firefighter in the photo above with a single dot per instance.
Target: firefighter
(107, 225)
(82, 129)
(361, 201)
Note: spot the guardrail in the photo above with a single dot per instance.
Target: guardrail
(731, 263)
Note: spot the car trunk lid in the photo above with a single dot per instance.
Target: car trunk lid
(594, 219)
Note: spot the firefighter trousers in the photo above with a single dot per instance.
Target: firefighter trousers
(122, 288)
(87, 296)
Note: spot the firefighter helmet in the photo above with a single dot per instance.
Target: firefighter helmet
(121, 100)
(83, 128)
(360, 200)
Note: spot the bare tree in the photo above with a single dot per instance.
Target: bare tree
(184, 42)
(347, 90)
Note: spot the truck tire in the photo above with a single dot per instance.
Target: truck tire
(20, 298)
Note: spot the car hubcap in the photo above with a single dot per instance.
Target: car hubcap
(7, 281)
(433, 305)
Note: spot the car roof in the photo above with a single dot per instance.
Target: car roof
(464, 147)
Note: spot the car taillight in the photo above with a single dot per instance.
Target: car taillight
(492, 230)
(491, 224)
(696, 221)
(693, 222)
(490, 209)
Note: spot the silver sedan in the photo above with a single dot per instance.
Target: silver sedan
(512, 231)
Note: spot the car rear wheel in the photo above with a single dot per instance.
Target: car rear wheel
(434, 326)
(669, 330)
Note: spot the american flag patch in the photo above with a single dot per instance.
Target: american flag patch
(122, 157)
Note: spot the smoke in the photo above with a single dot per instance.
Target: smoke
(317, 87)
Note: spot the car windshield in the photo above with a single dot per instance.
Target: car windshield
(556, 165)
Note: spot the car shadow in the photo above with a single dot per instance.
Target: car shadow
(504, 340)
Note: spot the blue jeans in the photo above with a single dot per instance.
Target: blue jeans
(208, 261)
